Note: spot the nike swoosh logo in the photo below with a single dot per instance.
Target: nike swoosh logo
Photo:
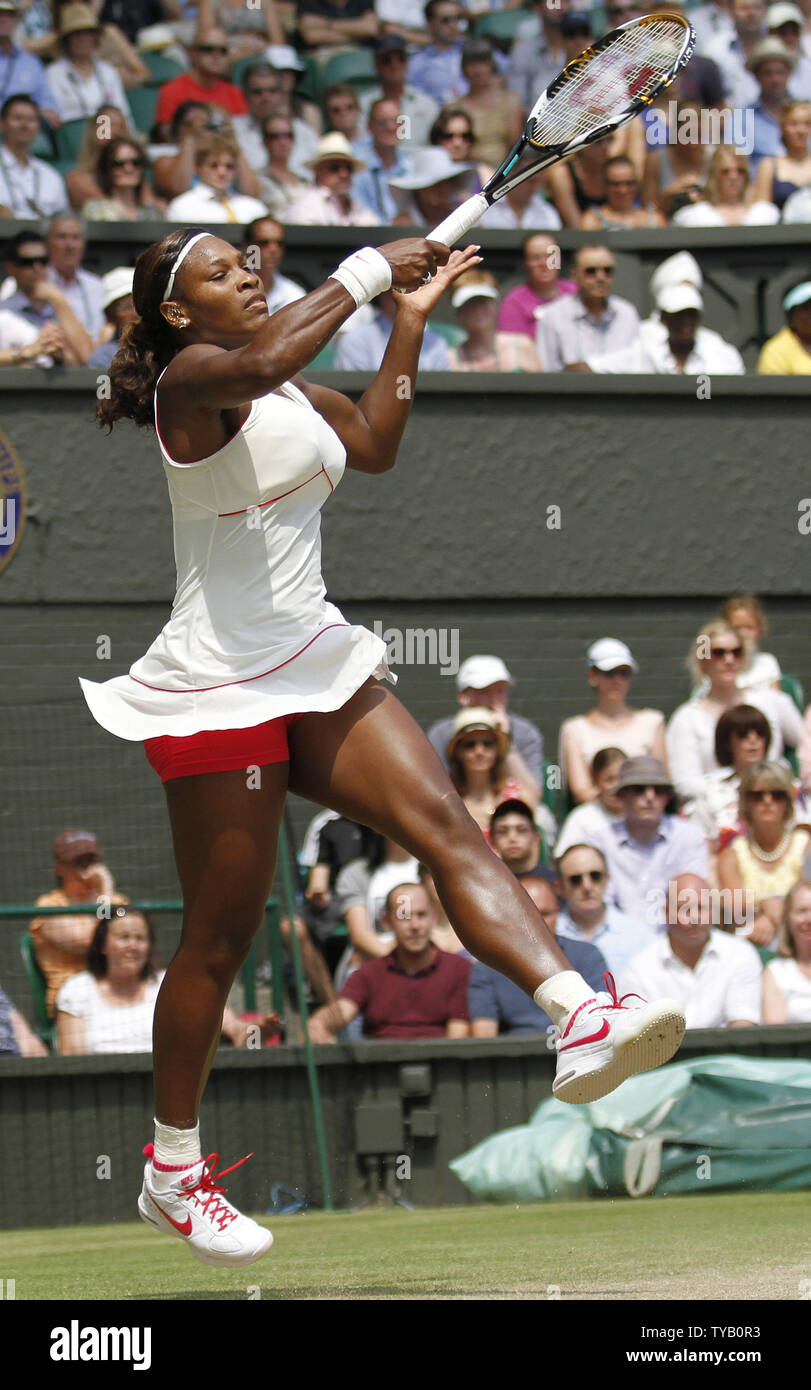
(184, 1227)
(605, 1028)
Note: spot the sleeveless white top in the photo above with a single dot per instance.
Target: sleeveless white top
(251, 635)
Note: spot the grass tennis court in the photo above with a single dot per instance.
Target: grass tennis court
(726, 1246)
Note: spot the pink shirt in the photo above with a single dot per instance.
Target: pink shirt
(518, 307)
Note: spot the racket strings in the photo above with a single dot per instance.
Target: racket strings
(609, 80)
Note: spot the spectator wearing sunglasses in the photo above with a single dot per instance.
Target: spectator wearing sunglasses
(592, 322)
(621, 208)
(330, 203)
(649, 845)
(719, 656)
(766, 859)
(742, 736)
(266, 97)
(126, 197)
(205, 81)
(417, 109)
(717, 978)
(34, 298)
(498, 1008)
(484, 768)
(582, 883)
(267, 236)
(610, 722)
(279, 183)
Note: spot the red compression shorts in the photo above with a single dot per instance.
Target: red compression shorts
(220, 750)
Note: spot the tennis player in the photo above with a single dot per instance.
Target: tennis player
(257, 684)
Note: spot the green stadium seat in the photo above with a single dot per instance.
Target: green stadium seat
(43, 146)
(161, 69)
(501, 24)
(143, 105)
(325, 360)
(68, 139)
(45, 1027)
(309, 81)
(451, 332)
(793, 687)
(357, 68)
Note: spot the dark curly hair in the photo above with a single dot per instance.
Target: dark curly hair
(96, 960)
(148, 344)
(109, 154)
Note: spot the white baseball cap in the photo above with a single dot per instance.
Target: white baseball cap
(674, 298)
(115, 285)
(680, 269)
(480, 671)
(466, 292)
(783, 13)
(608, 654)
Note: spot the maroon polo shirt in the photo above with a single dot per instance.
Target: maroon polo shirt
(397, 1005)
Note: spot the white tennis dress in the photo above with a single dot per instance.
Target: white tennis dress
(251, 635)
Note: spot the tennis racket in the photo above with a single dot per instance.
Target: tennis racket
(596, 93)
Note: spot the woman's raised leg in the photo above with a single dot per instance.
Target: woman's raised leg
(371, 761)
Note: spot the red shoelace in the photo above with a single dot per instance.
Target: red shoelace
(211, 1201)
(612, 990)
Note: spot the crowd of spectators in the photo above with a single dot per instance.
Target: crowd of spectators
(676, 861)
(362, 113)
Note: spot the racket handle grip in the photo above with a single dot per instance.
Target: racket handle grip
(460, 220)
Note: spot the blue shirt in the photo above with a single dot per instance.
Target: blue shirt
(438, 71)
(640, 873)
(371, 187)
(491, 995)
(23, 72)
(361, 349)
(618, 937)
(35, 314)
(766, 137)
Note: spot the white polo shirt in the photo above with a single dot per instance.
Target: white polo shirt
(725, 984)
(30, 190)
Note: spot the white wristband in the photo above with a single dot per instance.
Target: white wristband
(364, 274)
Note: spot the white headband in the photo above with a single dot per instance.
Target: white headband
(170, 283)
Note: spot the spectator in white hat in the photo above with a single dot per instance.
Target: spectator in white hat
(330, 202)
(476, 301)
(788, 353)
(780, 176)
(729, 196)
(484, 681)
(119, 310)
(774, 67)
(674, 342)
(610, 722)
(434, 187)
(785, 22)
(484, 768)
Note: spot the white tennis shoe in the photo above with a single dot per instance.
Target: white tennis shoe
(191, 1205)
(607, 1040)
